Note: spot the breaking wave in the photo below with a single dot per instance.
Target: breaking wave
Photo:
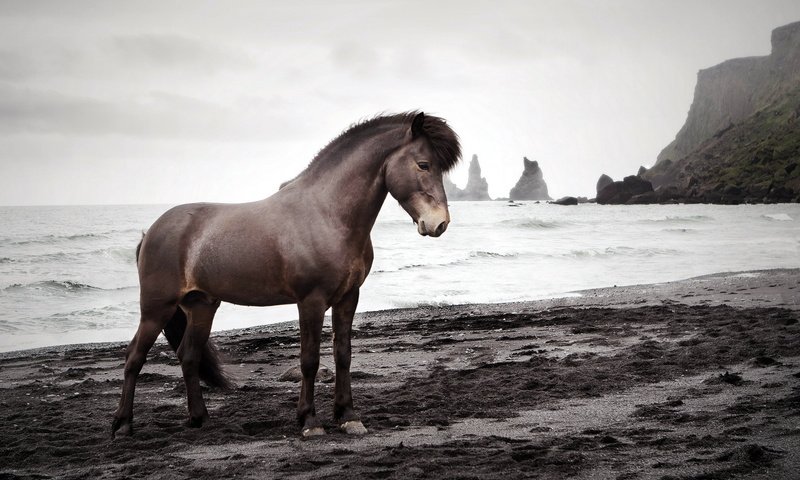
(56, 286)
(679, 219)
(532, 223)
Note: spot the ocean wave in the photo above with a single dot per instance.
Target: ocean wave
(104, 312)
(483, 254)
(51, 238)
(124, 254)
(122, 315)
(52, 285)
(678, 219)
(532, 223)
(621, 252)
(778, 217)
(679, 230)
(460, 261)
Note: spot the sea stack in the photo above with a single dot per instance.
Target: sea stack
(477, 187)
(531, 185)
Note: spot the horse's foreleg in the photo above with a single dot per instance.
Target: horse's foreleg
(312, 310)
(199, 316)
(343, 400)
(149, 328)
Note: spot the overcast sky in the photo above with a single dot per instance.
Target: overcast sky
(172, 102)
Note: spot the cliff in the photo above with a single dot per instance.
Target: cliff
(728, 93)
(741, 139)
(753, 161)
(477, 187)
(531, 184)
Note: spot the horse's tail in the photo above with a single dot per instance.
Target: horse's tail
(210, 364)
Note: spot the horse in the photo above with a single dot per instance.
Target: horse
(309, 243)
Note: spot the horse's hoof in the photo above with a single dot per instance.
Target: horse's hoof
(121, 428)
(313, 432)
(196, 422)
(353, 427)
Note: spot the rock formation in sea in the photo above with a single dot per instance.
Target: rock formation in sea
(741, 139)
(531, 185)
(632, 189)
(450, 189)
(566, 201)
(477, 187)
(602, 182)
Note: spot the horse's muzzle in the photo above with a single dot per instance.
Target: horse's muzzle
(431, 228)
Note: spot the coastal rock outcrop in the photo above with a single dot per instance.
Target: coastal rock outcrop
(566, 201)
(742, 133)
(631, 189)
(531, 185)
(477, 187)
(603, 182)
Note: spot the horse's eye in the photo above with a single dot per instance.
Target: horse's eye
(424, 166)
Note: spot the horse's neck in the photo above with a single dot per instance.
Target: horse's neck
(353, 188)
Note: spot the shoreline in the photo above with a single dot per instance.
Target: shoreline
(692, 379)
(687, 290)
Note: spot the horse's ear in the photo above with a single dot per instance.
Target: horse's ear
(416, 125)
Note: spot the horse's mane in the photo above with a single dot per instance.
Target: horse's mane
(443, 140)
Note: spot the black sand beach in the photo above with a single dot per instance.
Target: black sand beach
(692, 379)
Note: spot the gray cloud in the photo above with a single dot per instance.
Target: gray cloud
(176, 52)
(155, 115)
(14, 66)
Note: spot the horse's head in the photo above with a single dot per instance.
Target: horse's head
(414, 172)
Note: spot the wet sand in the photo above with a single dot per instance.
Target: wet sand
(691, 379)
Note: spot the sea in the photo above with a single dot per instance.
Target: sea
(68, 273)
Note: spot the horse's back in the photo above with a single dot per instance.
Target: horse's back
(226, 250)
(270, 252)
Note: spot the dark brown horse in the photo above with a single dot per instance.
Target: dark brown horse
(308, 244)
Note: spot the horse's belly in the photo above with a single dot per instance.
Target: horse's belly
(242, 289)
(263, 300)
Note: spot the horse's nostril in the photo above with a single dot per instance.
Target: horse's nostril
(441, 228)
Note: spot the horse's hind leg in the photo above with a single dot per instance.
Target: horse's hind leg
(200, 310)
(150, 326)
(312, 310)
(343, 400)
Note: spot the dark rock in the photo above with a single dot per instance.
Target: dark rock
(643, 199)
(477, 187)
(732, 190)
(780, 194)
(668, 194)
(641, 171)
(531, 185)
(566, 201)
(603, 182)
(622, 192)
